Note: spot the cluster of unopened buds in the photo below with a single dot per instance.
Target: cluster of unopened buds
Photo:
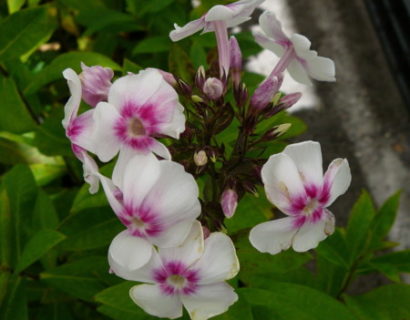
(174, 239)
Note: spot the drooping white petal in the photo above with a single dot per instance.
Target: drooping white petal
(190, 250)
(175, 194)
(282, 181)
(90, 170)
(154, 302)
(176, 126)
(106, 143)
(309, 236)
(338, 178)
(299, 73)
(219, 261)
(173, 234)
(124, 157)
(110, 191)
(272, 27)
(273, 236)
(161, 150)
(307, 156)
(210, 300)
(321, 68)
(189, 29)
(81, 131)
(140, 175)
(135, 88)
(128, 253)
(73, 103)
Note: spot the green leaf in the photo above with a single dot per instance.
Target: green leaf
(198, 54)
(14, 306)
(179, 63)
(334, 249)
(384, 220)
(384, 303)
(38, 246)
(15, 5)
(6, 235)
(44, 214)
(152, 45)
(360, 220)
(82, 278)
(391, 264)
(25, 30)
(22, 192)
(296, 302)
(68, 60)
(15, 116)
(240, 310)
(117, 304)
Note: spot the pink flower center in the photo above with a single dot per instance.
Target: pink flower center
(176, 278)
(141, 222)
(135, 127)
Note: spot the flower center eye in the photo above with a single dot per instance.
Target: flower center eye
(177, 280)
(138, 222)
(135, 127)
(310, 207)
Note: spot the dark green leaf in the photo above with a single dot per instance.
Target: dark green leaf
(152, 45)
(38, 246)
(14, 306)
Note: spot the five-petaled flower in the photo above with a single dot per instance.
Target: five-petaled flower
(295, 184)
(296, 56)
(190, 275)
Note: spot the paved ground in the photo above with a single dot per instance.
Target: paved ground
(362, 116)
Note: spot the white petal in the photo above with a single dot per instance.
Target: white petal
(299, 73)
(154, 302)
(190, 250)
(140, 175)
(161, 150)
(337, 178)
(321, 68)
(210, 300)
(187, 30)
(90, 169)
(282, 181)
(137, 88)
(269, 44)
(219, 261)
(309, 236)
(73, 103)
(110, 191)
(175, 194)
(272, 27)
(273, 236)
(219, 13)
(83, 135)
(301, 44)
(124, 157)
(174, 234)
(128, 253)
(106, 143)
(177, 124)
(307, 157)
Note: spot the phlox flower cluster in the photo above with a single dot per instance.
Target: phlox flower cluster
(173, 240)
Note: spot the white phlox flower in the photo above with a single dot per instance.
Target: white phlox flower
(295, 184)
(296, 56)
(190, 275)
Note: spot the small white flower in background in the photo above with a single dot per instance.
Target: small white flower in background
(156, 200)
(295, 184)
(218, 19)
(96, 81)
(78, 129)
(296, 56)
(190, 275)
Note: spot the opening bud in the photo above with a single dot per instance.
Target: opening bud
(200, 158)
(168, 77)
(279, 130)
(96, 82)
(264, 94)
(200, 77)
(229, 202)
(290, 99)
(213, 88)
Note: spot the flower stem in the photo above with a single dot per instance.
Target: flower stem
(221, 34)
(283, 62)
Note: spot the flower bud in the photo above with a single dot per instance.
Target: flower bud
(213, 88)
(241, 95)
(168, 77)
(205, 232)
(265, 92)
(290, 99)
(200, 77)
(200, 158)
(96, 82)
(278, 130)
(229, 202)
(196, 98)
(236, 61)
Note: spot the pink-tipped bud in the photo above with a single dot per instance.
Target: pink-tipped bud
(236, 61)
(265, 92)
(200, 77)
(290, 99)
(213, 88)
(200, 158)
(96, 82)
(168, 77)
(229, 201)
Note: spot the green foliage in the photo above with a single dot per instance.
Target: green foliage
(54, 235)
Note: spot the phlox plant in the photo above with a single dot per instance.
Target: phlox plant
(195, 203)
